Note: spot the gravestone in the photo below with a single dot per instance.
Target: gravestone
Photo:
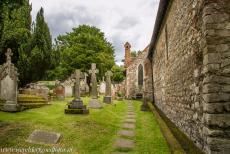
(68, 88)
(84, 88)
(94, 102)
(59, 91)
(108, 97)
(76, 106)
(9, 85)
(102, 86)
(43, 137)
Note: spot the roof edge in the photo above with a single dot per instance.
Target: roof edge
(162, 9)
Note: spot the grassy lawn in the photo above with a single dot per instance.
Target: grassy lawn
(85, 134)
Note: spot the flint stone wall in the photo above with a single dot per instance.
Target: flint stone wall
(191, 71)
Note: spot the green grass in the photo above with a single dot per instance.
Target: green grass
(85, 134)
(149, 138)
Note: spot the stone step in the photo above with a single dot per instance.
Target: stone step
(130, 116)
(124, 144)
(130, 113)
(130, 121)
(126, 133)
(129, 126)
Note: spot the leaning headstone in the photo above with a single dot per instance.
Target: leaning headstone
(43, 137)
(76, 106)
(94, 102)
(108, 97)
(9, 85)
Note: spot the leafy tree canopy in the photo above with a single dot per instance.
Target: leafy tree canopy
(81, 47)
(118, 73)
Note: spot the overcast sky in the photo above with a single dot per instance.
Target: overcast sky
(120, 20)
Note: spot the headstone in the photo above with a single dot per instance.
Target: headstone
(68, 88)
(59, 91)
(94, 102)
(76, 106)
(144, 106)
(43, 137)
(9, 85)
(102, 86)
(84, 87)
(108, 97)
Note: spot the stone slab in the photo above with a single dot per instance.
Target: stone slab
(107, 99)
(124, 143)
(130, 113)
(76, 111)
(95, 104)
(129, 126)
(130, 116)
(130, 120)
(126, 133)
(43, 137)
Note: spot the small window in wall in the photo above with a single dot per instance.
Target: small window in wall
(140, 75)
(166, 41)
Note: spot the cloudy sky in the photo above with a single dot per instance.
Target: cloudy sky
(120, 20)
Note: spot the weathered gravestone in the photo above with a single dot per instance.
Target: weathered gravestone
(76, 106)
(102, 87)
(94, 102)
(108, 97)
(9, 85)
(68, 88)
(59, 91)
(43, 137)
(84, 87)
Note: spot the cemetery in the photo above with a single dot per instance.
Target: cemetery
(69, 83)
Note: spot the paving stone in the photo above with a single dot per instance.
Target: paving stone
(124, 143)
(119, 153)
(130, 120)
(129, 126)
(131, 113)
(130, 116)
(43, 137)
(127, 133)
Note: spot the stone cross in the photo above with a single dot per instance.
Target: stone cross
(8, 55)
(93, 72)
(108, 75)
(77, 76)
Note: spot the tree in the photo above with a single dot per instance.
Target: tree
(41, 47)
(15, 23)
(118, 73)
(81, 47)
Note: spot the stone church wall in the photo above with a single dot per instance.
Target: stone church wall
(191, 71)
(132, 87)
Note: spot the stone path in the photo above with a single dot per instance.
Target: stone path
(125, 141)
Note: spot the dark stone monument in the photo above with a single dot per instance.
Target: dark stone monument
(144, 106)
(108, 97)
(9, 85)
(43, 137)
(94, 102)
(76, 106)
